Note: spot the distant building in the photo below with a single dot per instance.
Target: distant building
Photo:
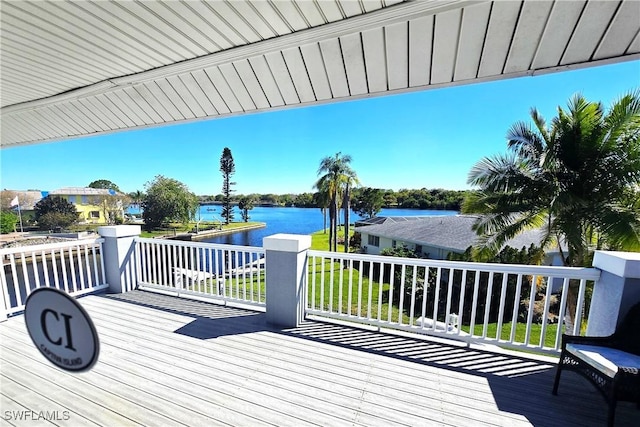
(94, 205)
(434, 237)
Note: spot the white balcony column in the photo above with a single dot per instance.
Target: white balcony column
(119, 256)
(615, 292)
(286, 270)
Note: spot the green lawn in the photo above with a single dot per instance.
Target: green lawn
(534, 339)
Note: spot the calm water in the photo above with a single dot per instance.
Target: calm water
(290, 220)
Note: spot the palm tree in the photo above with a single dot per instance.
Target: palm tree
(334, 174)
(573, 178)
(577, 179)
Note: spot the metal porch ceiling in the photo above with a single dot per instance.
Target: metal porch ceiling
(78, 68)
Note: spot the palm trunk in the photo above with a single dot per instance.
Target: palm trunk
(324, 215)
(334, 235)
(345, 204)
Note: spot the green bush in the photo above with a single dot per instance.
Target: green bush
(8, 221)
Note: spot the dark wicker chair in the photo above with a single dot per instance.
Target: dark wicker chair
(611, 363)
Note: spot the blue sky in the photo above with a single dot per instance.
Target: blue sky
(425, 139)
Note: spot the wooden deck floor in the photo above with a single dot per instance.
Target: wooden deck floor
(168, 361)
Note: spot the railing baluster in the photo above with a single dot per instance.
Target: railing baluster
(322, 304)
(423, 312)
(16, 282)
(54, 264)
(379, 289)
(503, 294)
(45, 268)
(403, 274)
(63, 266)
(436, 298)
(331, 284)
(562, 311)
(414, 285)
(312, 297)
(340, 286)
(36, 274)
(5, 288)
(487, 305)
(474, 303)
(25, 275)
(72, 268)
(516, 306)
(578, 317)
(350, 297)
(545, 314)
(81, 281)
(532, 300)
(447, 312)
(463, 287)
(391, 280)
(87, 265)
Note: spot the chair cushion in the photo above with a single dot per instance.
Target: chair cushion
(604, 359)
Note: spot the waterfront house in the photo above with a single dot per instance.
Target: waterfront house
(435, 237)
(94, 205)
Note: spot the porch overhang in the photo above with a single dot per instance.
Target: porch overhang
(74, 69)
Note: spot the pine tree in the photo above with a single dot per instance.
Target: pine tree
(228, 168)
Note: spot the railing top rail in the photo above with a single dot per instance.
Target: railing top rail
(49, 246)
(183, 243)
(539, 270)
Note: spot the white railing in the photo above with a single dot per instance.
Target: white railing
(76, 266)
(473, 302)
(202, 270)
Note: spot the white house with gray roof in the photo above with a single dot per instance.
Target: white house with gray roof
(434, 237)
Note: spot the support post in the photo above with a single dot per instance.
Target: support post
(119, 256)
(615, 292)
(286, 270)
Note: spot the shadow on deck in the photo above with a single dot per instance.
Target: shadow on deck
(519, 384)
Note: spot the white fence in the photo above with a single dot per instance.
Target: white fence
(202, 270)
(76, 267)
(473, 302)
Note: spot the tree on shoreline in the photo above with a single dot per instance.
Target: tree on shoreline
(228, 168)
(167, 200)
(335, 177)
(245, 205)
(368, 202)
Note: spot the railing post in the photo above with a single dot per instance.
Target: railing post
(286, 269)
(119, 256)
(615, 292)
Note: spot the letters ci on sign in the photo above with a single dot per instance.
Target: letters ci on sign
(61, 329)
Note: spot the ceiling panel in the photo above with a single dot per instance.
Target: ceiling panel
(299, 76)
(502, 23)
(334, 67)
(225, 91)
(397, 41)
(420, 42)
(589, 31)
(283, 81)
(375, 59)
(473, 31)
(354, 64)
(317, 73)
(621, 32)
(445, 44)
(80, 68)
(526, 39)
